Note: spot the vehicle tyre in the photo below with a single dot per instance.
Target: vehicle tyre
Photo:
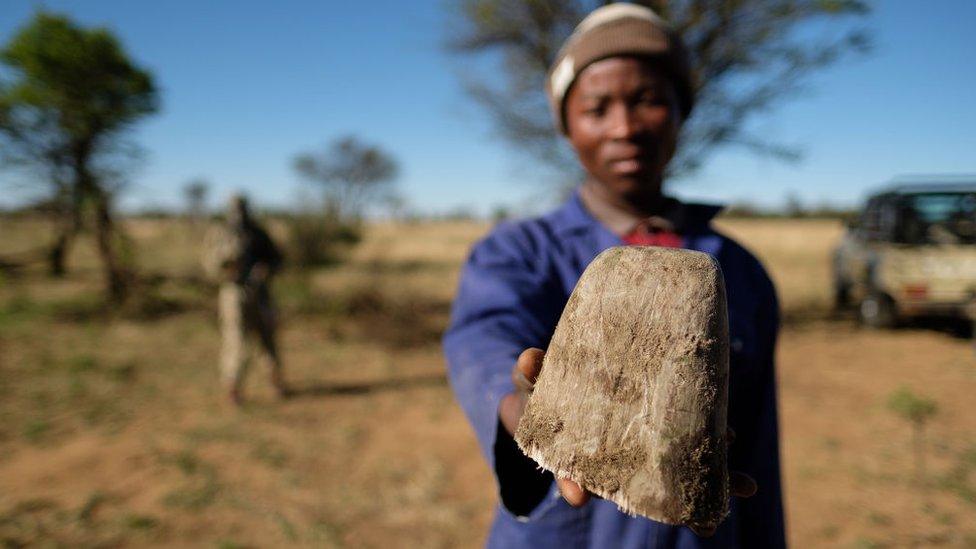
(878, 310)
(842, 293)
(842, 289)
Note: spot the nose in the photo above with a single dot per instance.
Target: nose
(623, 123)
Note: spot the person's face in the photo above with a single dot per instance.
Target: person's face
(622, 119)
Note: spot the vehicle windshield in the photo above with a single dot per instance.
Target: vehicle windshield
(938, 218)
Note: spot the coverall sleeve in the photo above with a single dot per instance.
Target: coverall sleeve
(761, 516)
(505, 304)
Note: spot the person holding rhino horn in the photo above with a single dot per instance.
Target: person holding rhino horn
(620, 90)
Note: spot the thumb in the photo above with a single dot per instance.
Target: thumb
(527, 368)
(572, 493)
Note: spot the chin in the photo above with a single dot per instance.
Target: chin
(635, 186)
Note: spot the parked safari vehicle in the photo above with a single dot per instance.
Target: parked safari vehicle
(911, 252)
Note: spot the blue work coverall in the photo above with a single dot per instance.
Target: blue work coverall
(513, 289)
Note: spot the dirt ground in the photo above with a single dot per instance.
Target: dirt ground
(113, 433)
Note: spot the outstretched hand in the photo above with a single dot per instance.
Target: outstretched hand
(510, 410)
(512, 406)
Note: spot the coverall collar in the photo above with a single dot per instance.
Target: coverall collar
(574, 217)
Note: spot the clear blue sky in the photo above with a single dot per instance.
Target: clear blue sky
(247, 85)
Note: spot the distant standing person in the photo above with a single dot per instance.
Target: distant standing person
(244, 258)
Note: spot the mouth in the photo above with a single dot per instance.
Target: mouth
(630, 165)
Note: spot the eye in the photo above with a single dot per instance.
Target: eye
(597, 108)
(651, 99)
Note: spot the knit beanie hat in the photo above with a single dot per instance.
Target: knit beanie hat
(619, 29)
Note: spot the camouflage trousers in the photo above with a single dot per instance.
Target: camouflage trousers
(246, 310)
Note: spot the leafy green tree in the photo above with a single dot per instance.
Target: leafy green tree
(747, 56)
(67, 98)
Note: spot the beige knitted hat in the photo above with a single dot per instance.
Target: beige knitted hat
(619, 29)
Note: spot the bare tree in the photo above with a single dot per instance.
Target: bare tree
(195, 192)
(351, 173)
(747, 57)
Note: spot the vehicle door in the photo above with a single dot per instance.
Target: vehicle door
(869, 244)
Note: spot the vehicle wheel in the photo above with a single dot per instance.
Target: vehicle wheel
(878, 311)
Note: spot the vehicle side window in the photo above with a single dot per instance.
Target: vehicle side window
(888, 220)
(918, 218)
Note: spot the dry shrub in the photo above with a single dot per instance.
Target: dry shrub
(318, 240)
(404, 322)
(369, 312)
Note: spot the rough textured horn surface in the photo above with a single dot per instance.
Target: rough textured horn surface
(631, 400)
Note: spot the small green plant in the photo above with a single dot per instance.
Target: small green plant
(957, 478)
(187, 462)
(865, 543)
(230, 544)
(87, 511)
(193, 496)
(123, 373)
(830, 532)
(201, 487)
(35, 429)
(270, 454)
(879, 519)
(945, 519)
(141, 522)
(287, 528)
(16, 309)
(918, 411)
(82, 363)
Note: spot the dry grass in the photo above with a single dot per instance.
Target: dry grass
(797, 255)
(112, 431)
